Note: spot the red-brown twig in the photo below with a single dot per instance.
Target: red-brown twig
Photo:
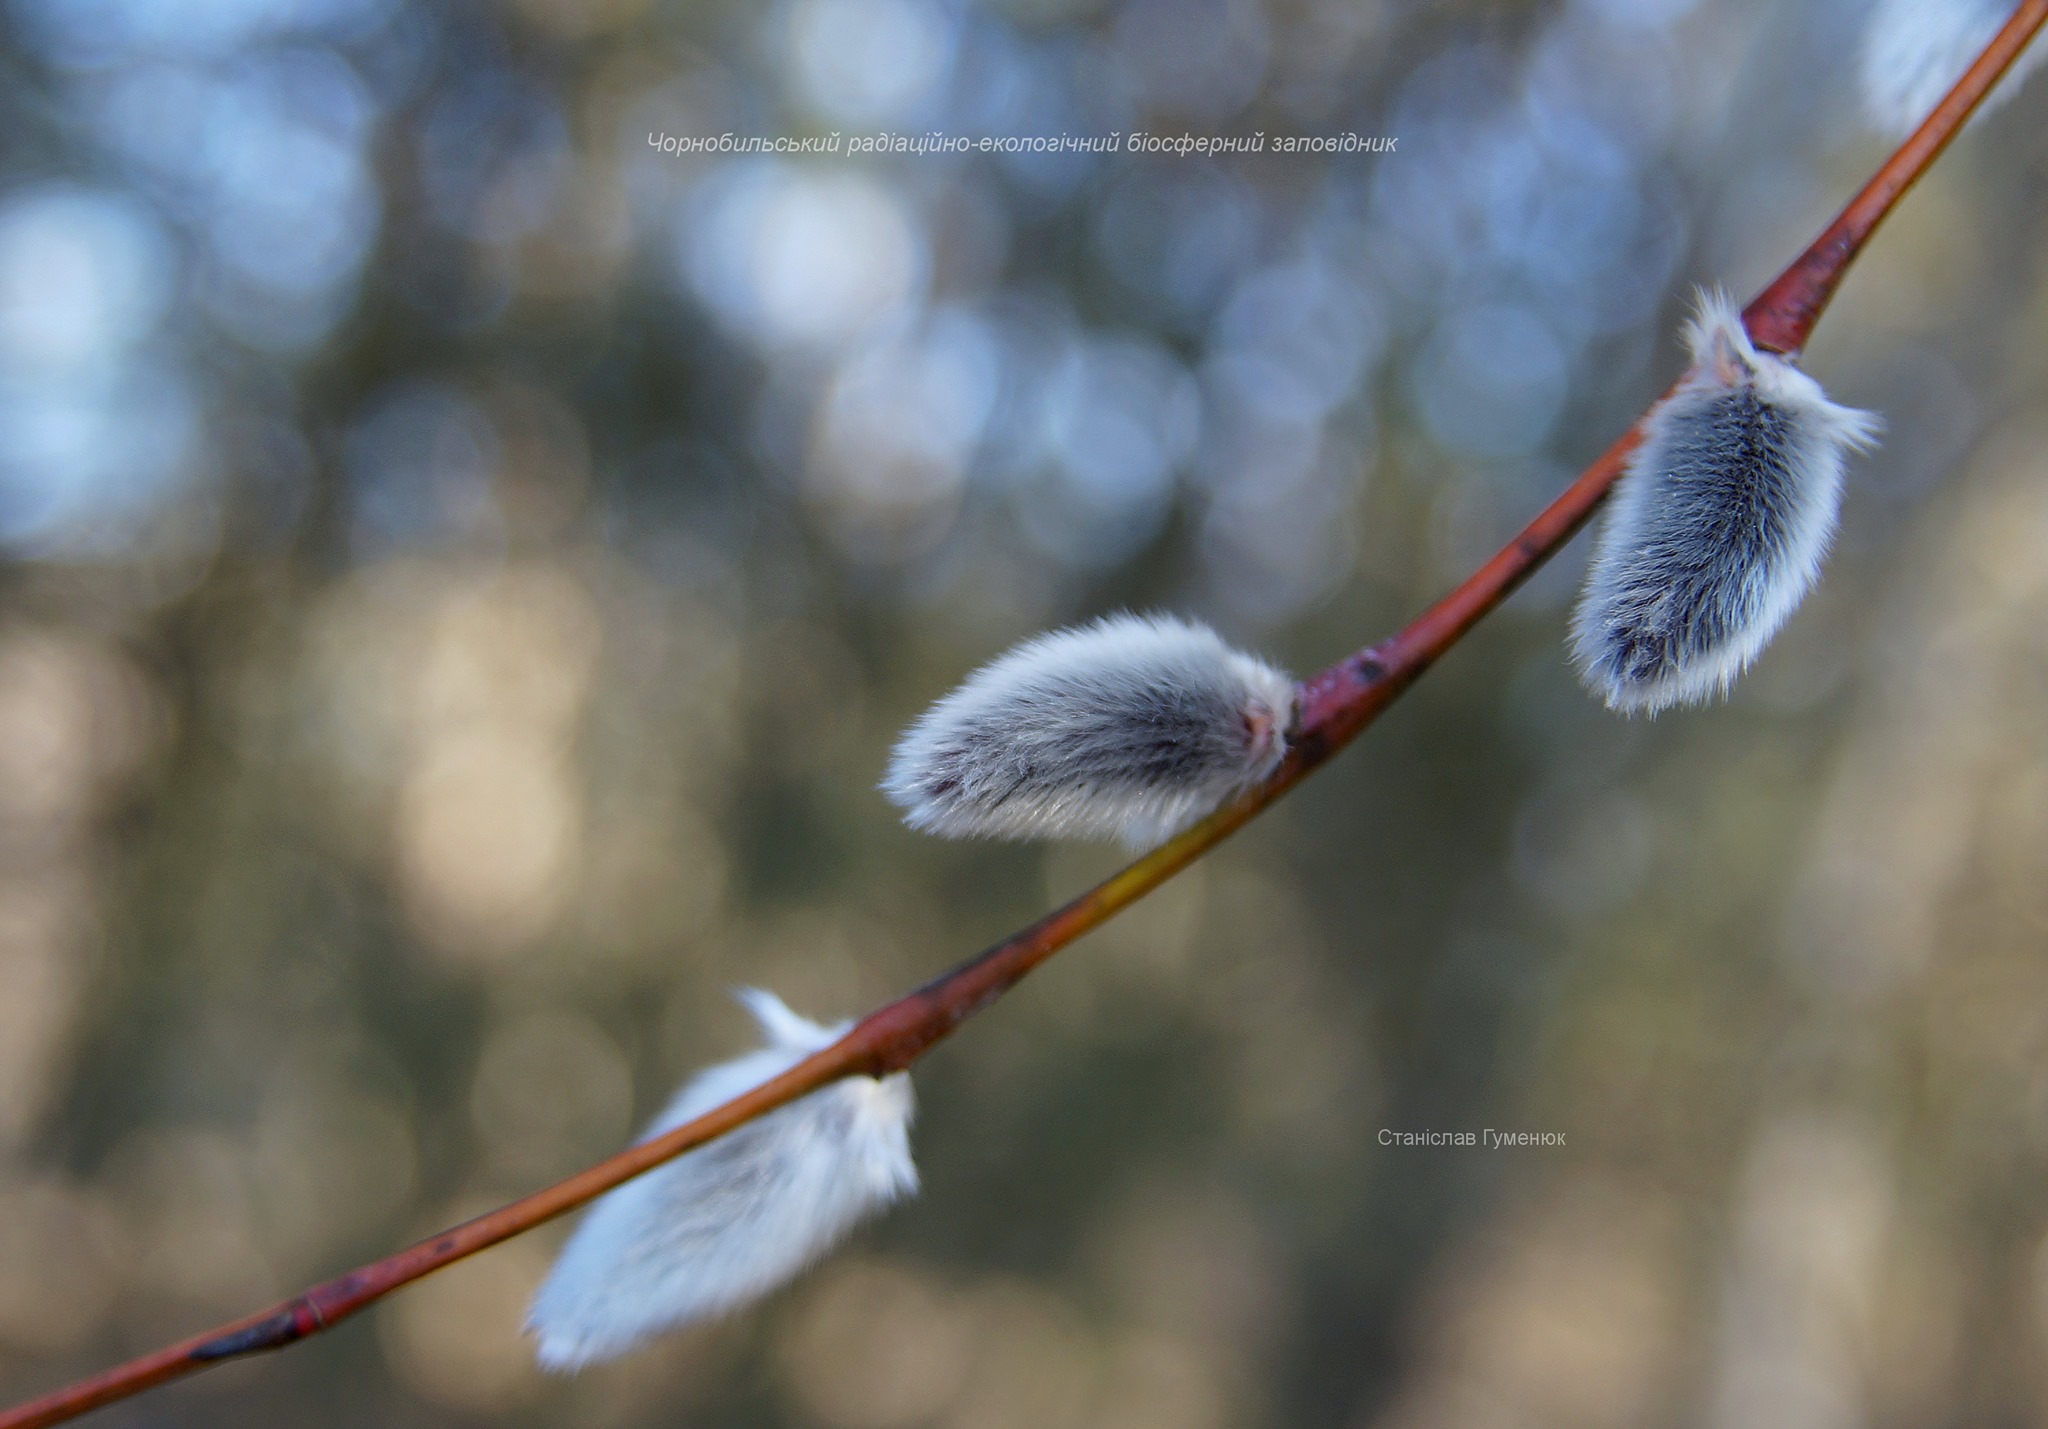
(1783, 315)
(1335, 706)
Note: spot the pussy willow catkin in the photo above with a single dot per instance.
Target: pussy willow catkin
(1718, 528)
(731, 1220)
(1131, 727)
(1915, 50)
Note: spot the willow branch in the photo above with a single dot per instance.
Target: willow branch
(1783, 315)
(1335, 705)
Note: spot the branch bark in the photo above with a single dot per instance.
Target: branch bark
(1335, 706)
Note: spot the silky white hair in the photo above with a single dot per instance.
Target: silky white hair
(1131, 727)
(1718, 526)
(1915, 50)
(730, 1220)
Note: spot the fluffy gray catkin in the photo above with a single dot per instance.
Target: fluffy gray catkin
(1719, 525)
(726, 1223)
(1915, 51)
(1131, 727)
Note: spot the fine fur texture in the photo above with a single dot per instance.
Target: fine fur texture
(1132, 727)
(1915, 51)
(733, 1219)
(1718, 527)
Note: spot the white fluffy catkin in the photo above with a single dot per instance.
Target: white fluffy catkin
(1915, 51)
(1131, 727)
(1718, 527)
(734, 1218)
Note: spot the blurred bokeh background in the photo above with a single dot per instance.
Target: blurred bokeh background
(464, 567)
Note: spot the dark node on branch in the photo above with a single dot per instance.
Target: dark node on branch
(274, 1333)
